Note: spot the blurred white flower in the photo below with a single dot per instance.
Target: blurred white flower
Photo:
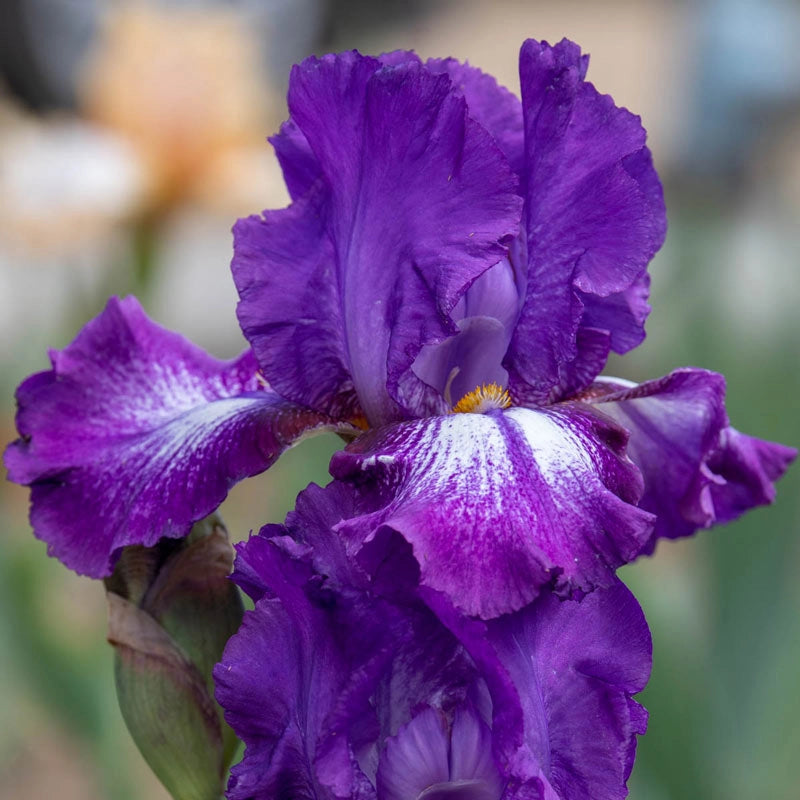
(63, 182)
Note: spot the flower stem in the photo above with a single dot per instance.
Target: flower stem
(146, 234)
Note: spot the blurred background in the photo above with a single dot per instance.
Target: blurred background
(131, 137)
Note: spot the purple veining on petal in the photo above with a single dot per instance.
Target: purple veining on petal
(415, 758)
(594, 218)
(589, 658)
(135, 433)
(698, 471)
(492, 105)
(497, 505)
(298, 162)
(427, 761)
(340, 691)
(341, 290)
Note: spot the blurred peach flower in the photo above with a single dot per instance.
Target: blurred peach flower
(185, 87)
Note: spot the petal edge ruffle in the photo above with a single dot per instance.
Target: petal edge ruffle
(497, 506)
(135, 434)
(594, 218)
(340, 291)
(698, 471)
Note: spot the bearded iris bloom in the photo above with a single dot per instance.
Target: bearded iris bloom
(448, 248)
(506, 302)
(347, 684)
(444, 290)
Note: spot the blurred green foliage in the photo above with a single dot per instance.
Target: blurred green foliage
(724, 697)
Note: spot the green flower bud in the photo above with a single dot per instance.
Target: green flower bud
(171, 611)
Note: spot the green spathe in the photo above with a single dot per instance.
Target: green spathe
(171, 611)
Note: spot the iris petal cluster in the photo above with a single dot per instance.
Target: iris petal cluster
(350, 680)
(444, 290)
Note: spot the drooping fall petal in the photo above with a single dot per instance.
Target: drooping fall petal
(135, 433)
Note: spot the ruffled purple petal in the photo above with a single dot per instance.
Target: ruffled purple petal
(135, 433)
(375, 593)
(399, 650)
(621, 315)
(576, 666)
(567, 671)
(340, 691)
(492, 105)
(748, 468)
(349, 669)
(279, 677)
(698, 471)
(340, 291)
(298, 162)
(594, 219)
(497, 505)
(328, 655)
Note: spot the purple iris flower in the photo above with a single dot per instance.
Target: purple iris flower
(448, 248)
(344, 684)
(452, 249)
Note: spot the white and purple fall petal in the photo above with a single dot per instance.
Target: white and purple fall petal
(135, 434)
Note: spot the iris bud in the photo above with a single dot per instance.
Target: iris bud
(171, 611)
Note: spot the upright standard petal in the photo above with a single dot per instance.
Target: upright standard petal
(594, 218)
(490, 104)
(698, 471)
(497, 505)
(135, 433)
(340, 291)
